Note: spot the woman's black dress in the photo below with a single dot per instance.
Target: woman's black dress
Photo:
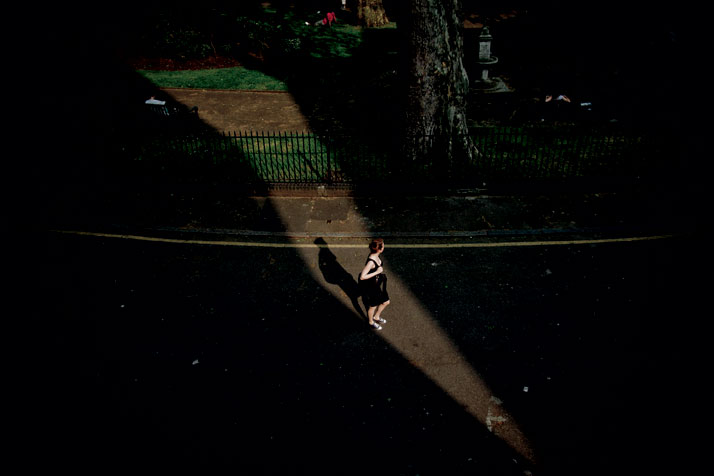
(374, 290)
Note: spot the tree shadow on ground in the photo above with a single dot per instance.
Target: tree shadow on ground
(569, 339)
(109, 158)
(177, 356)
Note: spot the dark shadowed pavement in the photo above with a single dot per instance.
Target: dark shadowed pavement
(241, 344)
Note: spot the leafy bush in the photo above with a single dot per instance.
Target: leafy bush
(265, 34)
(185, 44)
(271, 36)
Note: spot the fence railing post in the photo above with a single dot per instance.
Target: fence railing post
(328, 142)
(510, 152)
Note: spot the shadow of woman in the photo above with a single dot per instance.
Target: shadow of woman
(334, 273)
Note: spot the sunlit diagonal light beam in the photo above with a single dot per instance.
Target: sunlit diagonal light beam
(422, 342)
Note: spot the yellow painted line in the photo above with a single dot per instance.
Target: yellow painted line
(501, 244)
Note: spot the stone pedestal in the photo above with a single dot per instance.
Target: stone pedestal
(485, 61)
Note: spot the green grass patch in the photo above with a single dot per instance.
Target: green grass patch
(339, 41)
(223, 78)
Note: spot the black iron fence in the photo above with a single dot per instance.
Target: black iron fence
(501, 154)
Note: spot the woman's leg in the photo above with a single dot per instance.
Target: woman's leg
(380, 308)
(370, 314)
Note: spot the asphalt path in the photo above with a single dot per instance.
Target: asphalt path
(175, 355)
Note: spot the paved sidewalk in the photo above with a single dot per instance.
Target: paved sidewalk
(396, 217)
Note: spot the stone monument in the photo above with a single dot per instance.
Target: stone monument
(485, 60)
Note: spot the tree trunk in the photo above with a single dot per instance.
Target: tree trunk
(370, 13)
(435, 135)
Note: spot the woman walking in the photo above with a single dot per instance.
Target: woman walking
(374, 284)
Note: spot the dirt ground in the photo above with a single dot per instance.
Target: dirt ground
(239, 111)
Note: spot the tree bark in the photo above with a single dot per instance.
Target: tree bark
(370, 13)
(435, 134)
